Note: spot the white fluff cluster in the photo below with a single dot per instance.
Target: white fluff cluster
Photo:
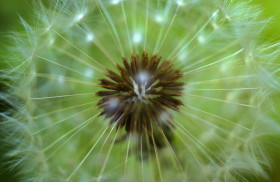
(227, 130)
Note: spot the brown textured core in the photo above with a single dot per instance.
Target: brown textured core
(141, 93)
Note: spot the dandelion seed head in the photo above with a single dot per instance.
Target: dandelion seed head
(143, 98)
(88, 115)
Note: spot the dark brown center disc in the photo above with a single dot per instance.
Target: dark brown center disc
(140, 94)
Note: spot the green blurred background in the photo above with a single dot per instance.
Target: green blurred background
(10, 10)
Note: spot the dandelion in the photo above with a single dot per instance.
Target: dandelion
(133, 90)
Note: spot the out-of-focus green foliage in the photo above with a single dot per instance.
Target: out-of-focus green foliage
(10, 12)
(271, 9)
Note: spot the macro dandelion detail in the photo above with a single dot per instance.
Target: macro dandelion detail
(141, 94)
(130, 90)
(140, 97)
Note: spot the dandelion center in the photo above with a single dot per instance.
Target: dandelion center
(141, 93)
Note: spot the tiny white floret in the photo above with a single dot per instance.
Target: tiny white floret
(61, 78)
(215, 13)
(89, 37)
(201, 39)
(183, 56)
(143, 77)
(89, 73)
(51, 41)
(79, 17)
(113, 104)
(179, 2)
(114, 2)
(159, 19)
(137, 37)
